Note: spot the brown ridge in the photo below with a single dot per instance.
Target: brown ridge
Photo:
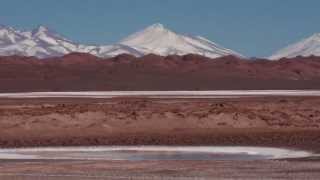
(85, 72)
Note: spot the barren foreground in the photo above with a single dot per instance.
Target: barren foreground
(160, 170)
(272, 121)
(292, 122)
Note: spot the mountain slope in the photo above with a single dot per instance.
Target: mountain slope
(156, 39)
(307, 47)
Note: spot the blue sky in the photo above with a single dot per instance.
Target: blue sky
(251, 27)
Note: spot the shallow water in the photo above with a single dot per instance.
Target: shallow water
(46, 162)
(143, 153)
(146, 156)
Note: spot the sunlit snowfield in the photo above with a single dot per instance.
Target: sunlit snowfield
(163, 94)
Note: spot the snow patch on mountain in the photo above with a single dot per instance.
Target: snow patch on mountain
(40, 42)
(307, 47)
(156, 39)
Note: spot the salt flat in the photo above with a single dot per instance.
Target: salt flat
(141, 153)
(163, 94)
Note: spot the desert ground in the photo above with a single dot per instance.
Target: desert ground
(265, 121)
(175, 170)
(289, 122)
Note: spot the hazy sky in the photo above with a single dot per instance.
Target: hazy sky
(251, 27)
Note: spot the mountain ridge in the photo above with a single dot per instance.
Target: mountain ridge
(43, 42)
(86, 72)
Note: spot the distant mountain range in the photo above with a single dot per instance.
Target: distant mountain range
(156, 39)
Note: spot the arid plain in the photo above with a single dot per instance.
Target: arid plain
(288, 122)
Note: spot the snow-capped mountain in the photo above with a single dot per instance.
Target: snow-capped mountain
(40, 42)
(156, 39)
(307, 47)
